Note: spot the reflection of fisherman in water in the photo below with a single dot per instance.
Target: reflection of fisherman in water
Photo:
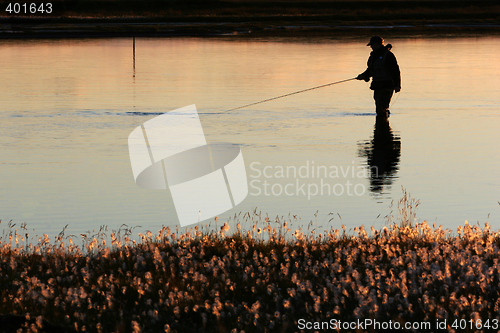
(382, 154)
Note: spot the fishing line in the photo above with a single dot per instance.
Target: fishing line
(293, 93)
(395, 99)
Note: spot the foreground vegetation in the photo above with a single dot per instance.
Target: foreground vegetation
(263, 278)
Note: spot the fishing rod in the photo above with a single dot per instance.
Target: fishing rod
(293, 93)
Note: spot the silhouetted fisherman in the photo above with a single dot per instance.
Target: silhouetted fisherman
(384, 70)
(382, 154)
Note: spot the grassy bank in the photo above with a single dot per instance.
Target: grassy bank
(197, 17)
(263, 278)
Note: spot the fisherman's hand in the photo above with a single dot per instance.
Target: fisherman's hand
(397, 89)
(363, 76)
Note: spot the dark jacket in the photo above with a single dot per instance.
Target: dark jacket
(383, 68)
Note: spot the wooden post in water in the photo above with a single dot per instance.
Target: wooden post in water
(133, 51)
(133, 54)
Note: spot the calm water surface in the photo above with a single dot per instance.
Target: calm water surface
(68, 107)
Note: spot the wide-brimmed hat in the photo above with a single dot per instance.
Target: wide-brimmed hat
(376, 40)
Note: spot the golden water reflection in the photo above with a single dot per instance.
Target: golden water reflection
(68, 107)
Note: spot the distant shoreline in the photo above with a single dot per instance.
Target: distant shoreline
(155, 18)
(92, 28)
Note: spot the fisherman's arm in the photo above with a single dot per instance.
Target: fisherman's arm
(364, 76)
(393, 67)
